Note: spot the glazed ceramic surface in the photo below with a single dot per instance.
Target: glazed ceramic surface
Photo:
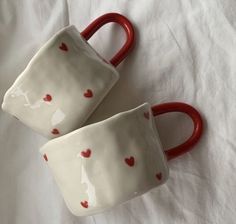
(107, 163)
(61, 86)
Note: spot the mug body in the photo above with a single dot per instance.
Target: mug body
(61, 86)
(108, 163)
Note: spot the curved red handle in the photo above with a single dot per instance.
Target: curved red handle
(197, 121)
(122, 21)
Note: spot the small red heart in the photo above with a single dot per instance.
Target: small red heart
(47, 98)
(63, 47)
(84, 204)
(88, 93)
(86, 153)
(159, 176)
(55, 131)
(45, 157)
(146, 115)
(130, 161)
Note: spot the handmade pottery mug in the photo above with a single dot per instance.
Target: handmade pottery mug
(66, 80)
(107, 163)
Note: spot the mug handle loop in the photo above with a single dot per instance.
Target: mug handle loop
(197, 130)
(124, 23)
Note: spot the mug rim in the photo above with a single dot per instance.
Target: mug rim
(70, 134)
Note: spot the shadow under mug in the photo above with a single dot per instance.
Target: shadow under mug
(110, 162)
(66, 80)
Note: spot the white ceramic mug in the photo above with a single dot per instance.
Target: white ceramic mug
(66, 80)
(107, 163)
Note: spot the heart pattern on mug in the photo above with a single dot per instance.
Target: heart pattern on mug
(55, 131)
(130, 161)
(45, 157)
(63, 47)
(86, 153)
(146, 115)
(88, 93)
(159, 176)
(84, 204)
(47, 98)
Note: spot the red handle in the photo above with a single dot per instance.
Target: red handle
(197, 121)
(122, 21)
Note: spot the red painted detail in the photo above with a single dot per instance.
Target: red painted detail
(159, 176)
(63, 47)
(130, 161)
(124, 23)
(47, 98)
(88, 93)
(86, 153)
(55, 131)
(197, 130)
(84, 204)
(45, 157)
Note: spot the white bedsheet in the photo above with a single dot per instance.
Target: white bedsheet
(185, 51)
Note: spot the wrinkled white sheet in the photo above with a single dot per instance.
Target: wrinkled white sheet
(185, 51)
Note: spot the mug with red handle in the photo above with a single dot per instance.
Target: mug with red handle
(110, 162)
(66, 80)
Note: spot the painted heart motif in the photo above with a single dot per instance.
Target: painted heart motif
(84, 204)
(86, 153)
(130, 161)
(88, 93)
(55, 131)
(159, 176)
(146, 115)
(63, 47)
(47, 98)
(45, 157)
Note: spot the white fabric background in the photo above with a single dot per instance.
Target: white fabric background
(185, 51)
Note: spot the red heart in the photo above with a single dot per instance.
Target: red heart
(84, 204)
(146, 115)
(47, 98)
(86, 153)
(159, 176)
(63, 47)
(45, 157)
(55, 131)
(88, 93)
(130, 161)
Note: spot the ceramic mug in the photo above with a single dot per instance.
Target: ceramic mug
(107, 163)
(66, 80)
